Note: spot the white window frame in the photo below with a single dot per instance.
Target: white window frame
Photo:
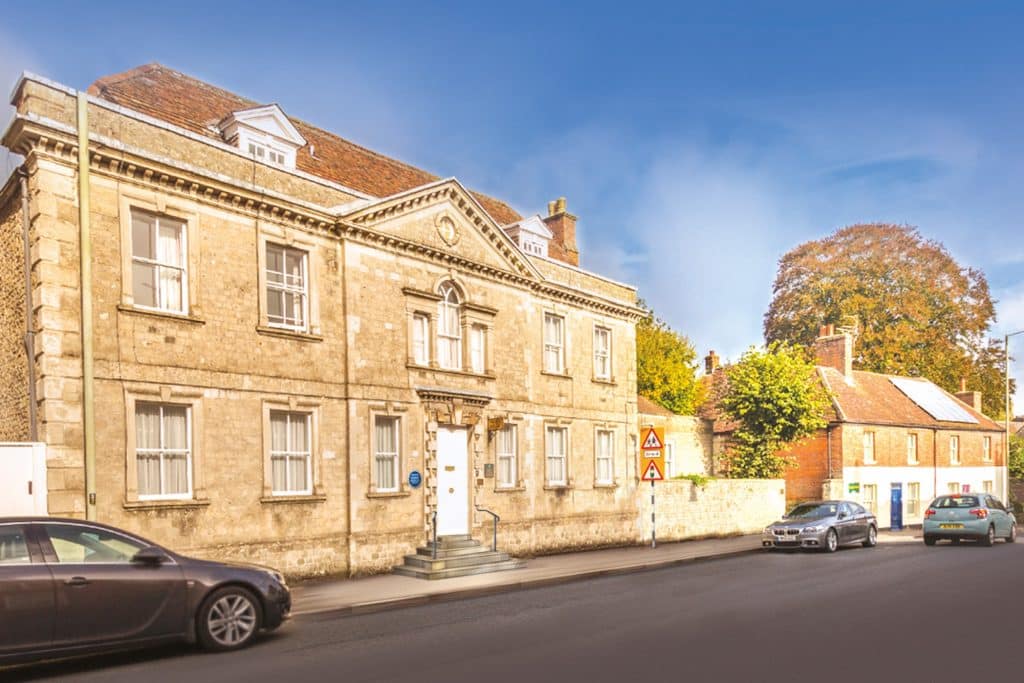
(507, 456)
(987, 486)
(602, 356)
(155, 263)
(285, 288)
(449, 341)
(377, 455)
(477, 349)
(912, 445)
(556, 435)
(986, 450)
(869, 448)
(290, 454)
(870, 502)
(954, 450)
(271, 234)
(162, 451)
(953, 487)
(608, 437)
(554, 349)
(913, 501)
(421, 338)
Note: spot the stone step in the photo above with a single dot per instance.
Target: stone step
(443, 542)
(452, 552)
(426, 562)
(421, 573)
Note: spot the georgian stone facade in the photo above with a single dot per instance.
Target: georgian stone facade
(274, 353)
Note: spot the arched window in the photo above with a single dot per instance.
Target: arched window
(449, 328)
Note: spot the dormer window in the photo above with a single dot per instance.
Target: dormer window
(531, 235)
(265, 134)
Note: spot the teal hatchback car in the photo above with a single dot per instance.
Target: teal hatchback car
(979, 517)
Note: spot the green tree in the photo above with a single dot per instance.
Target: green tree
(918, 312)
(776, 398)
(666, 367)
(1016, 460)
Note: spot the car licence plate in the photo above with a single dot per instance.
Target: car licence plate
(951, 526)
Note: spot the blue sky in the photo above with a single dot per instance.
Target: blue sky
(696, 143)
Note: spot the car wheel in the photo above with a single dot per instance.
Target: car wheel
(929, 540)
(229, 619)
(989, 538)
(831, 541)
(1013, 534)
(872, 540)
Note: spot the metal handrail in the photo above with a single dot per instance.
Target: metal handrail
(494, 546)
(434, 522)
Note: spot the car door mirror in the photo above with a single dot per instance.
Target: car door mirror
(843, 515)
(150, 556)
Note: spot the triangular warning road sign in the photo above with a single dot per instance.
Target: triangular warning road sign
(652, 473)
(651, 441)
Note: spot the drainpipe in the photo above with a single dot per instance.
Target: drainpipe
(85, 249)
(935, 463)
(30, 323)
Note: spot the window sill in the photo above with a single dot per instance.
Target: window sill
(610, 486)
(557, 487)
(610, 382)
(559, 375)
(388, 494)
(509, 489)
(183, 504)
(463, 373)
(166, 315)
(298, 498)
(288, 334)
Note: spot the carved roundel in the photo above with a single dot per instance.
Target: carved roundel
(447, 230)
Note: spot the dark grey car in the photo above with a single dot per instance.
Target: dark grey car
(825, 526)
(70, 587)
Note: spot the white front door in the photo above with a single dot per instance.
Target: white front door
(452, 482)
(22, 479)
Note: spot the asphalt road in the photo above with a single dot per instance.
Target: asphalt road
(899, 612)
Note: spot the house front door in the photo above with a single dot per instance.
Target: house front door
(452, 481)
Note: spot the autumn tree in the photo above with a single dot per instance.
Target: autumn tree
(917, 311)
(666, 366)
(776, 398)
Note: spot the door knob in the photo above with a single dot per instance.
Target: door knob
(76, 581)
(451, 490)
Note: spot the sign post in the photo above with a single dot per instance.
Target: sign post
(652, 466)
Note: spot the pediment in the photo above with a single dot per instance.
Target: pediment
(446, 219)
(269, 119)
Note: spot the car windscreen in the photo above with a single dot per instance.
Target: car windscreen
(813, 511)
(956, 502)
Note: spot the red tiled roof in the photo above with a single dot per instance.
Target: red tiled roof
(646, 406)
(174, 97)
(872, 399)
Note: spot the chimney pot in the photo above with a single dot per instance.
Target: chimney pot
(963, 384)
(551, 207)
(711, 362)
(560, 205)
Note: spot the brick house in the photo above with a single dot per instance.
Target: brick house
(285, 326)
(887, 432)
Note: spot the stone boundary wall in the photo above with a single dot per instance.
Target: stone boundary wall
(13, 363)
(722, 507)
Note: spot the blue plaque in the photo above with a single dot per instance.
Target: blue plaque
(415, 479)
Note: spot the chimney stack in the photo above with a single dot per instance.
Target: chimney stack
(834, 350)
(562, 225)
(971, 398)
(711, 362)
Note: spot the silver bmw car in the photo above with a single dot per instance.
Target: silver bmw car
(822, 526)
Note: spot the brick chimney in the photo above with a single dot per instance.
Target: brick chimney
(563, 225)
(711, 362)
(971, 398)
(834, 350)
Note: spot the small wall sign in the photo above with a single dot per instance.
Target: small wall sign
(853, 487)
(415, 479)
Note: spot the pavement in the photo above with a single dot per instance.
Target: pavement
(390, 591)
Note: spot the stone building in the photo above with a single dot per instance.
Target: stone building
(251, 336)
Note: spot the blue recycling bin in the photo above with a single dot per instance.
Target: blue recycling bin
(896, 507)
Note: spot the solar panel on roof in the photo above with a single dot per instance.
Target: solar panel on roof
(933, 400)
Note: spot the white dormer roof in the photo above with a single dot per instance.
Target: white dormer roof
(531, 224)
(268, 119)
